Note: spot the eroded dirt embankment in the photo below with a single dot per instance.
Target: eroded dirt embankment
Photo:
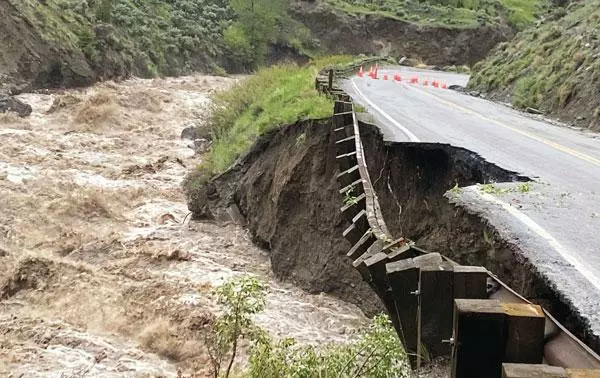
(413, 182)
(286, 189)
(344, 33)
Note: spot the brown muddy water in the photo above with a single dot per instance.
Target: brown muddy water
(100, 275)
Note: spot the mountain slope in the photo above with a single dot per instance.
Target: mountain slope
(554, 66)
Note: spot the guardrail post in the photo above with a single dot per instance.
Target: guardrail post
(524, 333)
(488, 333)
(478, 338)
(403, 277)
(437, 302)
(330, 82)
(470, 282)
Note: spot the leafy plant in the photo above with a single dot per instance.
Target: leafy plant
(524, 187)
(457, 190)
(255, 26)
(377, 352)
(491, 189)
(349, 198)
(240, 298)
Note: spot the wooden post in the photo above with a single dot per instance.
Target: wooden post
(470, 282)
(532, 371)
(524, 333)
(403, 277)
(437, 305)
(478, 338)
(330, 82)
(376, 266)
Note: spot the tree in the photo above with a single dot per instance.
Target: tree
(255, 26)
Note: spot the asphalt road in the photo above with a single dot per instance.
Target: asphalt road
(557, 222)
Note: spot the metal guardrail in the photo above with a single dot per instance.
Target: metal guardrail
(426, 294)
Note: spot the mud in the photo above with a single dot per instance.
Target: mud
(101, 275)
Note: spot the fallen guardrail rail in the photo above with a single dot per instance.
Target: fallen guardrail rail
(438, 307)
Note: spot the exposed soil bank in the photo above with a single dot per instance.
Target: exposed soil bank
(344, 33)
(287, 190)
(412, 182)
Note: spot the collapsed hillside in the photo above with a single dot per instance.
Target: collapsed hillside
(553, 67)
(341, 32)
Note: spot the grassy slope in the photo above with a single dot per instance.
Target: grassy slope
(473, 13)
(273, 97)
(554, 67)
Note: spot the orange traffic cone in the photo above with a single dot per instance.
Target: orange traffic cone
(385, 77)
(435, 84)
(360, 72)
(444, 86)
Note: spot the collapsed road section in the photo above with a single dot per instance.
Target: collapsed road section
(288, 190)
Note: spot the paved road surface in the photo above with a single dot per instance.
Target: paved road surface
(557, 223)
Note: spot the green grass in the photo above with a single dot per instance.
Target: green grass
(552, 67)
(522, 13)
(452, 14)
(275, 96)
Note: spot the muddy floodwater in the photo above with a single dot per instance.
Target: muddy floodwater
(101, 276)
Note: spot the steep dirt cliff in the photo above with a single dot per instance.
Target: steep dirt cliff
(286, 189)
(345, 33)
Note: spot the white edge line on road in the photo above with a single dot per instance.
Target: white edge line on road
(412, 137)
(540, 231)
(521, 217)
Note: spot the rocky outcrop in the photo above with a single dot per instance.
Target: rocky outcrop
(343, 33)
(13, 104)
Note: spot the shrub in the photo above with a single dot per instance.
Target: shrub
(526, 93)
(376, 353)
(240, 299)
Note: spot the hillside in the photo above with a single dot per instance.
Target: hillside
(69, 42)
(517, 14)
(553, 67)
(55, 43)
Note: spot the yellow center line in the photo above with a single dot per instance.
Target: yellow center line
(557, 146)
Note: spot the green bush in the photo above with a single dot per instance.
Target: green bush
(527, 93)
(377, 353)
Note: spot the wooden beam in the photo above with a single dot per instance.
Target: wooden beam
(532, 371)
(403, 277)
(470, 282)
(478, 338)
(524, 333)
